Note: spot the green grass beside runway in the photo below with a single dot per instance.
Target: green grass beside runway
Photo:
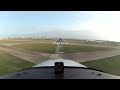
(104, 43)
(110, 65)
(25, 40)
(41, 47)
(80, 48)
(9, 63)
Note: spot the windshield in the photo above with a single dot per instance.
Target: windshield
(91, 38)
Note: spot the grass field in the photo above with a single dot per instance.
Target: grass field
(41, 47)
(9, 63)
(80, 48)
(106, 43)
(25, 40)
(110, 65)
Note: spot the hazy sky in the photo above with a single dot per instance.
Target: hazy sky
(79, 24)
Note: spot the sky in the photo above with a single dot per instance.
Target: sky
(102, 25)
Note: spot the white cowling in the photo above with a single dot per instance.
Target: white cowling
(65, 61)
